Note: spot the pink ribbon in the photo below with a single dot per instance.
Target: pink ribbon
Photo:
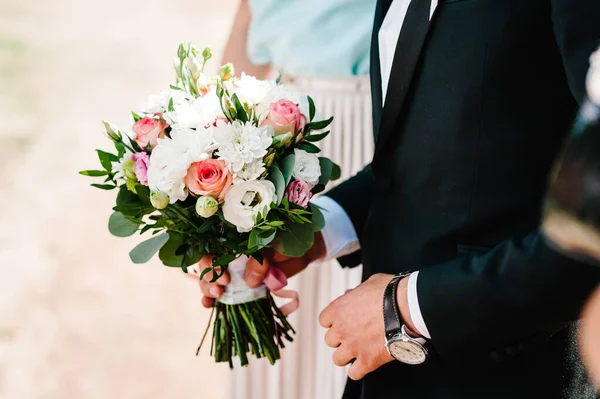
(275, 282)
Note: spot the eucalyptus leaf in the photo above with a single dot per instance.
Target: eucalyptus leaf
(120, 226)
(336, 172)
(326, 170)
(276, 177)
(144, 251)
(287, 168)
(318, 220)
(168, 252)
(295, 240)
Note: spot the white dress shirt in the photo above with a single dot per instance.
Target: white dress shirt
(339, 233)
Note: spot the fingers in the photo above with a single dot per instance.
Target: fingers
(255, 273)
(326, 316)
(342, 356)
(332, 339)
(358, 370)
(208, 302)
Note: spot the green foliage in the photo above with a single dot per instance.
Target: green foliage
(308, 147)
(120, 226)
(318, 220)
(320, 124)
(287, 167)
(276, 177)
(311, 109)
(295, 240)
(94, 173)
(168, 252)
(316, 137)
(144, 251)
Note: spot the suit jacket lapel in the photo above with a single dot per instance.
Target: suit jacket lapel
(376, 93)
(403, 69)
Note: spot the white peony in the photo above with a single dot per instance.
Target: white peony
(240, 145)
(245, 200)
(306, 167)
(197, 113)
(172, 157)
(593, 79)
(251, 171)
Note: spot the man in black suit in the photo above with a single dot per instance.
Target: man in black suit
(471, 101)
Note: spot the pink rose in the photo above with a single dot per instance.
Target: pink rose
(147, 131)
(298, 192)
(210, 177)
(140, 167)
(284, 116)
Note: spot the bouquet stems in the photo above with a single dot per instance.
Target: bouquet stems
(257, 327)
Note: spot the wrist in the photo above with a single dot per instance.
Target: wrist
(404, 309)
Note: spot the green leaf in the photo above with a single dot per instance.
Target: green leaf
(168, 252)
(144, 251)
(93, 173)
(138, 209)
(316, 137)
(171, 107)
(318, 220)
(104, 186)
(239, 109)
(326, 170)
(125, 196)
(320, 125)
(223, 260)
(308, 147)
(276, 177)
(135, 116)
(143, 194)
(205, 226)
(295, 240)
(287, 168)
(120, 226)
(193, 255)
(106, 159)
(311, 108)
(336, 172)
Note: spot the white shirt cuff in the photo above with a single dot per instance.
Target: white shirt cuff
(413, 306)
(339, 234)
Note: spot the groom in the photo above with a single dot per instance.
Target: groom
(462, 296)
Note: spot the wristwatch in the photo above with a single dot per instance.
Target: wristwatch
(399, 344)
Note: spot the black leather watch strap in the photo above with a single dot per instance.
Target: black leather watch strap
(391, 316)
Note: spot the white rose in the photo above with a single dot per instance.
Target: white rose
(593, 79)
(306, 167)
(245, 200)
(206, 206)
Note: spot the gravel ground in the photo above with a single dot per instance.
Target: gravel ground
(77, 320)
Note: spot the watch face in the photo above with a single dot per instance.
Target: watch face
(407, 351)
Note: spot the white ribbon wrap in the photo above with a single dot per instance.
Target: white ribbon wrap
(237, 291)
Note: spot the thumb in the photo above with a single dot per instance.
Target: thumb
(255, 273)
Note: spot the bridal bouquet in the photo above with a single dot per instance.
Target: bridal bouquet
(224, 166)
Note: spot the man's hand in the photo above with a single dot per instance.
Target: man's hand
(356, 328)
(256, 273)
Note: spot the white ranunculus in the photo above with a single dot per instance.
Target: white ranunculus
(172, 157)
(160, 103)
(306, 167)
(245, 200)
(196, 114)
(251, 171)
(240, 144)
(593, 79)
(253, 91)
(206, 206)
(159, 200)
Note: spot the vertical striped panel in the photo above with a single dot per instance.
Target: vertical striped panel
(306, 370)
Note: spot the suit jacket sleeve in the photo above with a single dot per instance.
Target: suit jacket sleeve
(354, 195)
(522, 288)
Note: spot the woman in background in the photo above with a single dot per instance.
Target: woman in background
(321, 48)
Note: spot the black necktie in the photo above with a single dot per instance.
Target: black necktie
(408, 50)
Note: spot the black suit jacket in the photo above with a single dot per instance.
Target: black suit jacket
(455, 188)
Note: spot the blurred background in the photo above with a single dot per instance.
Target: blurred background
(77, 319)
